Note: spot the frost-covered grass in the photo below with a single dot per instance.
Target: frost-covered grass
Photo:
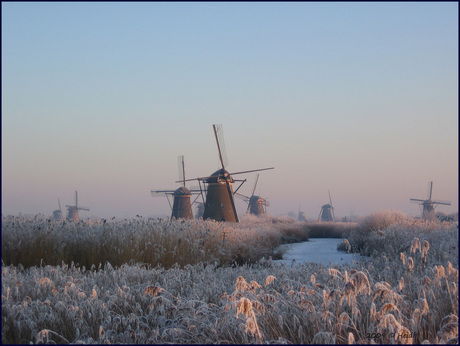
(153, 242)
(407, 292)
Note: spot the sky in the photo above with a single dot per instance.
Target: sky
(359, 99)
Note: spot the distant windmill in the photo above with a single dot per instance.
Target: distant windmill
(57, 214)
(427, 206)
(327, 211)
(256, 204)
(301, 216)
(220, 202)
(72, 210)
(199, 210)
(182, 206)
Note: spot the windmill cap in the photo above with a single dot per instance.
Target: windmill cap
(218, 176)
(256, 199)
(182, 191)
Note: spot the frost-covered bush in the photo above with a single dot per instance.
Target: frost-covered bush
(382, 219)
(390, 233)
(375, 222)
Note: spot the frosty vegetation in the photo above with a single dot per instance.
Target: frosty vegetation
(150, 281)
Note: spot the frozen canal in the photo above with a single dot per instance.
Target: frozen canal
(318, 250)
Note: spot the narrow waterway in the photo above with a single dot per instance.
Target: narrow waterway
(318, 250)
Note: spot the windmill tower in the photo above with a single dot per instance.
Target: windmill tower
(301, 216)
(427, 206)
(182, 206)
(220, 202)
(256, 204)
(57, 214)
(72, 210)
(326, 213)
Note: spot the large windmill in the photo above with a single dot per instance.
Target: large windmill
(327, 211)
(427, 206)
(220, 201)
(256, 204)
(182, 206)
(72, 210)
(57, 214)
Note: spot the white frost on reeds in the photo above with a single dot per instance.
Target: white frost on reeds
(211, 303)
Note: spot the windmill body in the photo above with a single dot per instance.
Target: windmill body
(427, 205)
(326, 213)
(301, 216)
(182, 205)
(256, 204)
(57, 214)
(72, 210)
(219, 203)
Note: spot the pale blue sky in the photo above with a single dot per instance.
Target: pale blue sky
(357, 98)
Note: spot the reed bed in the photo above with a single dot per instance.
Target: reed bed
(411, 298)
(153, 242)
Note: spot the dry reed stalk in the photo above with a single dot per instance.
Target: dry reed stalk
(351, 339)
(403, 258)
(253, 285)
(448, 331)
(403, 336)
(425, 248)
(324, 338)
(269, 280)
(373, 313)
(416, 245)
(241, 284)
(410, 264)
(153, 291)
(387, 307)
(245, 307)
(361, 283)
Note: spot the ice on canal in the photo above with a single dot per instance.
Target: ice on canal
(318, 250)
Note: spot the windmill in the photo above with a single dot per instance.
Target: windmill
(301, 216)
(57, 214)
(199, 210)
(182, 207)
(327, 211)
(427, 206)
(256, 204)
(220, 202)
(72, 210)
